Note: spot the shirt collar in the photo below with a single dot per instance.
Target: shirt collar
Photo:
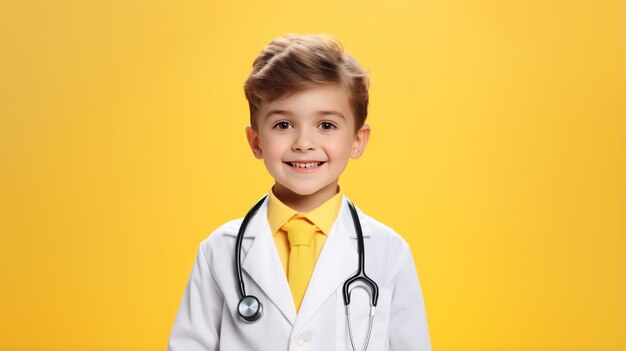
(323, 216)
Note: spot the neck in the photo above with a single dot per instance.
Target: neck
(304, 203)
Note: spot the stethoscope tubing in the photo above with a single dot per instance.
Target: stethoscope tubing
(242, 229)
(360, 274)
(250, 308)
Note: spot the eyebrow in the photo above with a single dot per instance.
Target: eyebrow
(291, 114)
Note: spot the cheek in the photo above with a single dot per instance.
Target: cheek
(339, 149)
(273, 150)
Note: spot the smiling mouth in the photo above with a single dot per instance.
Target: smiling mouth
(305, 164)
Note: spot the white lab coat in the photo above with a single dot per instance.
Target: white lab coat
(207, 318)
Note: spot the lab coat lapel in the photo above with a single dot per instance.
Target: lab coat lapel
(264, 267)
(338, 260)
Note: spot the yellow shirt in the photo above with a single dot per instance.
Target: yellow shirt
(323, 217)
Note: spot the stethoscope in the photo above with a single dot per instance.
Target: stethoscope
(250, 308)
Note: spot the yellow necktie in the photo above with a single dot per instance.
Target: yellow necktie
(300, 232)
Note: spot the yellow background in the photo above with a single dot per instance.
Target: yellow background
(498, 151)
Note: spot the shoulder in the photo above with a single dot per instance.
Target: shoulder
(226, 232)
(383, 234)
(388, 252)
(217, 249)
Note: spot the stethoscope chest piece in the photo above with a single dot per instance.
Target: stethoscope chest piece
(250, 309)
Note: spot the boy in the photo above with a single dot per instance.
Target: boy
(308, 103)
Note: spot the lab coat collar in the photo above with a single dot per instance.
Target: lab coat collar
(260, 219)
(338, 260)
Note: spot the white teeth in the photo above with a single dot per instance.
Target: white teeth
(305, 165)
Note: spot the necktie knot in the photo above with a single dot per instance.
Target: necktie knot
(300, 231)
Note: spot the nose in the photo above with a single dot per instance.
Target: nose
(304, 141)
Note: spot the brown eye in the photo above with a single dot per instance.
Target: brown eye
(327, 125)
(282, 125)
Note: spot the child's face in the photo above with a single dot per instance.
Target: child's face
(306, 145)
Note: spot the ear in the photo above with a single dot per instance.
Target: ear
(254, 141)
(360, 141)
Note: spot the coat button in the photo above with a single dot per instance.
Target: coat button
(299, 340)
(307, 335)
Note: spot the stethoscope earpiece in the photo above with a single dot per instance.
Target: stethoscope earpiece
(250, 309)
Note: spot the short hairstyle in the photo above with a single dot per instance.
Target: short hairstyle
(294, 62)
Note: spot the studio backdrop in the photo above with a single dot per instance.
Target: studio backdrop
(498, 151)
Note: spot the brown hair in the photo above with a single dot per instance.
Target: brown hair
(295, 62)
